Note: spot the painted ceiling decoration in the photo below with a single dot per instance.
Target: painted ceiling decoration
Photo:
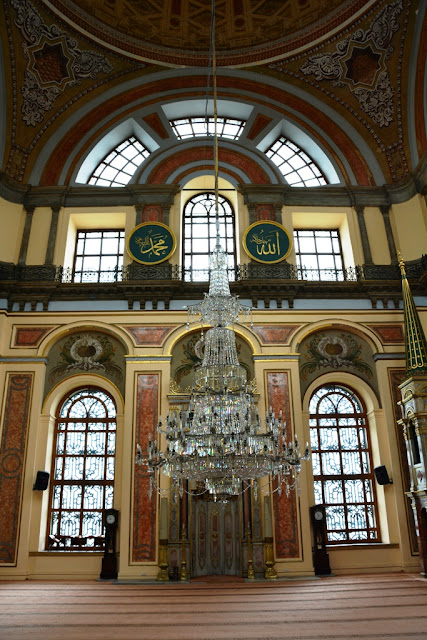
(347, 74)
(362, 72)
(177, 31)
(359, 62)
(54, 61)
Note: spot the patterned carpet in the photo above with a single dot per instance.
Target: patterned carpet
(343, 608)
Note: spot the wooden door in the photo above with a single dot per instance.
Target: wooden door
(215, 538)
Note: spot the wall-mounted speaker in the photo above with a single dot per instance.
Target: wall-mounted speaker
(382, 475)
(42, 481)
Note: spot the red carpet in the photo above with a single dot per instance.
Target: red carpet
(369, 607)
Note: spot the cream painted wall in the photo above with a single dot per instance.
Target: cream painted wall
(410, 223)
(39, 235)
(377, 235)
(12, 220)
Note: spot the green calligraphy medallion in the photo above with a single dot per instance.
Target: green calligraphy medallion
(151, 243)
(267, 242)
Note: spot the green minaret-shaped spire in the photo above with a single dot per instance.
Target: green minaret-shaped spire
(415, 340)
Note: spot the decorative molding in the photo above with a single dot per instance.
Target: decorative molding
(389, 333)
(132, 194)
(275, 334)
(148, 335)
(359, 62)
(54, 62)
(29, 336)
(392, 144)
(246, 32)
(12, 462)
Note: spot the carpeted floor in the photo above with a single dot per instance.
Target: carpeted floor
(345, 607)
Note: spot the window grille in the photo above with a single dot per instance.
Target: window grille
(118, 166)
(342, 466)
(82, 477)
(201, 126)
(295, 165)
(199, 235)
(99, 255)
(318, 254)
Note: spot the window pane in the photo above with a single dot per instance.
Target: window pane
(318, 254)
(102, 251)
(199, 234)
(80, 469)
(343, 481)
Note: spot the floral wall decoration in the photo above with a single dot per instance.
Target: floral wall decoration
(86, 352)
(333, 349)
(187, 356)
(54, 62)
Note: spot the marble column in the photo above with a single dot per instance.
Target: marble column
(385, 210)
(364, 235)
(50, 250)
(26, 234)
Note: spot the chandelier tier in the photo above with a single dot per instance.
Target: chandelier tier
(219, 439)
(219, 442)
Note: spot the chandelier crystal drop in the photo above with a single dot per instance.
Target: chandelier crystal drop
(219, 442)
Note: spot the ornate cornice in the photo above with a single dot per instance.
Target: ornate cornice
(88, 195)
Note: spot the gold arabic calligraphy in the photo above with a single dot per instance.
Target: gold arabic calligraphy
(155, 245)
(268, 245)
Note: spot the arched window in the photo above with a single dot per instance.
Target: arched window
(82, 477)
(342, 465)
(298, 169)
(200, 234)
(119, 165)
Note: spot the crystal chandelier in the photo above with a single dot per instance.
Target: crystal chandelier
(218, 442)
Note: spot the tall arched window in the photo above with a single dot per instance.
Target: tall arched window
(342, 465)
(82, 477)
(200, 233)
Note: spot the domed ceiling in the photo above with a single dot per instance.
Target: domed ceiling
(177, 32)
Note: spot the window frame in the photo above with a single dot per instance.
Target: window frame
(109, 158)
(296, 152)
(64, 542)
(210, 218)
(209, 121)
(365, 476)
(118, 268)
(337, 271)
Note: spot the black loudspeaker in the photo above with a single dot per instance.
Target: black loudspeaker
(382, 475)
(42, 481)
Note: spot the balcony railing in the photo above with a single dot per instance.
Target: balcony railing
(32, 287)
(252, 271)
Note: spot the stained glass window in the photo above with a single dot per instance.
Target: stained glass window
(318, 254)
(202, 126)
(118, 166)
(82, 476)
(298, 169)
(199, 236)
(342, 466)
